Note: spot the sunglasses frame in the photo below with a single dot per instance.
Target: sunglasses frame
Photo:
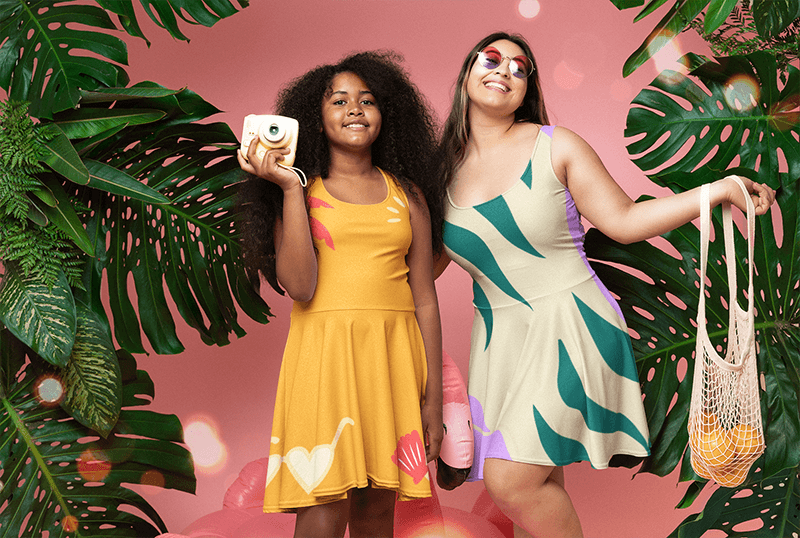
(513, 63)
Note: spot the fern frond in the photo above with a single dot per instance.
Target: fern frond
(42, 251)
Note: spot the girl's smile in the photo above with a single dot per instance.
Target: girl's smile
(351, 119)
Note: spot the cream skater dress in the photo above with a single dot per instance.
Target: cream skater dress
(552, 377)
(352, 380)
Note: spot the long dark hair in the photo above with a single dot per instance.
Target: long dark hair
(403, 148)
(455, 134)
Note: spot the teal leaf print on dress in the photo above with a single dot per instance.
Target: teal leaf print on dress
(527, 175)
(561, 450)
(499, 215)
(597, 418)
(472, 248)
(614, 344)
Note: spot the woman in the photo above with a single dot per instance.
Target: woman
(552, 375)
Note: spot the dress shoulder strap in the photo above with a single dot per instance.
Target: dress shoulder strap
(395, 188)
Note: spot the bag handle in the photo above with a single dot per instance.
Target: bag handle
(730, 259)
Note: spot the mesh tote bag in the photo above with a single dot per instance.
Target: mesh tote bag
(725, 431)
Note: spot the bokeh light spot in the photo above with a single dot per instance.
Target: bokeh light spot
(528, 8)
(566, 78)
(666, 53)
(152, 478)
(69, 524)
(208, 451)
(742, 93)
(93, 465)
(49, 390)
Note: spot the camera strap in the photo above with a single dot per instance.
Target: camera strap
(299, 173)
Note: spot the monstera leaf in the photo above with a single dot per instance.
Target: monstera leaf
(44, 61)
(739, 117)
(53, 49)
(661, 306)
(771, 507)
(59, 478)
(658, 296)
(206, 12)
(189, 243)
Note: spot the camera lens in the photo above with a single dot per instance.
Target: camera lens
(273, 132)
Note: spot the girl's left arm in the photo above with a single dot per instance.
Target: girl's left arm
(420, 277)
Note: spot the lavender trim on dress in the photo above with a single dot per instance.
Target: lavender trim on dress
(577, 232)
(486, 446)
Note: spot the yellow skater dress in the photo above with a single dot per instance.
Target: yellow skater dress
(352, 381)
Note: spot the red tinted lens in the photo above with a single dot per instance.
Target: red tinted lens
(490, 57)
(521, 67)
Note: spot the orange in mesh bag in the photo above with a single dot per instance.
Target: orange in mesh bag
(725, 432)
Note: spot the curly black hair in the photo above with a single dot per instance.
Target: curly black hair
(404, 148)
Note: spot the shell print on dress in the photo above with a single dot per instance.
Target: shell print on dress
(410, 456)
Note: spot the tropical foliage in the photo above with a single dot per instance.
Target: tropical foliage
(729, 115)
(773, 20)
(104, 186)
(739, 34)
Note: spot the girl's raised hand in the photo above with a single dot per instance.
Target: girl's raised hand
(268, 167)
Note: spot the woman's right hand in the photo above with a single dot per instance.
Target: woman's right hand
(267, 168)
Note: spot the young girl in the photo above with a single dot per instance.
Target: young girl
(552, 375)
(358, 412)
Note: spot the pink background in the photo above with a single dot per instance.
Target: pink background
(239, 65)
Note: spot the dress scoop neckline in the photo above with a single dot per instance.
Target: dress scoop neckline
(508, 190)
(385, 199)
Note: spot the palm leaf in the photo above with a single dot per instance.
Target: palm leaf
(721, 125)
(626, 4)
(35, 214)
(675, 21)
(40, 316)
(63, 216)
(114, 181)
(58, 475)
(651, 6)
(60, 155)
(137, 91)
(43, 56)
(87, 123)
(191, 244)
(718, 11)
